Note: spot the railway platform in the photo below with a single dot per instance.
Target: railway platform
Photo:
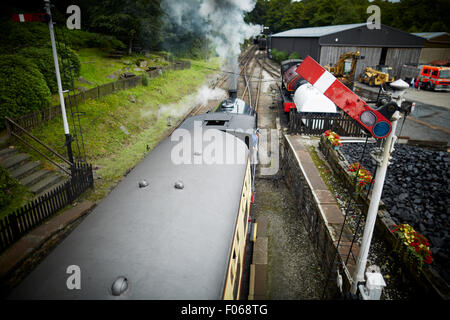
(318, 206)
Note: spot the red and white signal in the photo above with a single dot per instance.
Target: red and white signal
(30, 17)
(377, 124)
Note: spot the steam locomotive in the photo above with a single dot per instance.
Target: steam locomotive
(300, 96)
(261, 41)
(174, 228)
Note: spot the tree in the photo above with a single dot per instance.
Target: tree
(123, 26)
(346, 14)
(133, 22)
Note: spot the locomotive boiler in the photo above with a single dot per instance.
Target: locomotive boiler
(300, 96)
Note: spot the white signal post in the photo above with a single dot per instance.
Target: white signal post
(383, 163)
(58, 80)
(353, 105)
(371, 217)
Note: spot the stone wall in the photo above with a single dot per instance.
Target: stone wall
(319, 211)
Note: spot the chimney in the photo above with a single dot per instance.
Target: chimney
(232, 93)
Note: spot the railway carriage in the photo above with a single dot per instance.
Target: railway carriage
(168, 230)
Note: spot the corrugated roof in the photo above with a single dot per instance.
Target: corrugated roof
(317, 31)
(429, 35)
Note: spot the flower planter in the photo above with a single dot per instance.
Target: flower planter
(412, 248)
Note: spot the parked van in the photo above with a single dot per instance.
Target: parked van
(434, 78)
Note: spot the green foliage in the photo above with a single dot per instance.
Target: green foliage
(346, 13)
(13, 195)
(43, 59)
(131, 21)
(407, 15)
(78, 39)
(22, 87)
(279, 56)
(70, 65)
(15, 36)
(6, 184)
(145, 80)
(294, 55)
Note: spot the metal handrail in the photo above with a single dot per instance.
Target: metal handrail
(12, 133)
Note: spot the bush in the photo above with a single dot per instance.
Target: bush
(279, 56)
(145, 79)
(71, 61)
(22, 87)
(294, 55)
(15, 36)
(43, 59)
(78, 39)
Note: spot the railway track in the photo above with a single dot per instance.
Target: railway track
(252, 95)
(220, 83)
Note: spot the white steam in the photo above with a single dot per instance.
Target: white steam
(221, 21)
(201, 97)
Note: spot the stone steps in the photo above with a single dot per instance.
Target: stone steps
(34, 177)
(54, 186)
(6, 152)
(30, 173)
(25, 169)
(46, 184)
(14, 161)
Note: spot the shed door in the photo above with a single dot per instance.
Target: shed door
(397, 57)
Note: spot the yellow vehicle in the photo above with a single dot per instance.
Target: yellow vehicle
(344, 69)
(375, 76)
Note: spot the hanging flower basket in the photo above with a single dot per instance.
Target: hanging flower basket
(412, 247)
(333, 138)
(363, 176)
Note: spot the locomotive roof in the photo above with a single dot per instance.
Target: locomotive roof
(221, 121)
(237, 106)
(169, 243)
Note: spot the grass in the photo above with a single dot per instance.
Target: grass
(19, 195)
(107, 146)
(96, 67)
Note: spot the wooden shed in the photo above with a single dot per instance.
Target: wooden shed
(437, 47)
(384, 46)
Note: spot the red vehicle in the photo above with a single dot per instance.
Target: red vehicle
(434, 78)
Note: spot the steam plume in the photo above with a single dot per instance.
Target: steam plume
(221, 21)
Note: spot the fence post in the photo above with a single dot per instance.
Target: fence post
(12, 221)
(8, 129)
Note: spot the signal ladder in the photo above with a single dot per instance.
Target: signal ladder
(67, 75)
(345, 246)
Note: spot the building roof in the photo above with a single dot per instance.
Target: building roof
(317, 31)
(169, 243)
(430, 35)
(357, 34)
